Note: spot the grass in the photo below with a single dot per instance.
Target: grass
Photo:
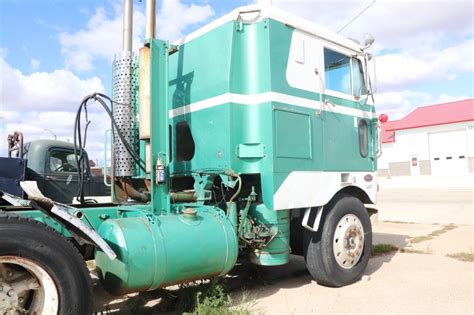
(419, 239)
(463, 256)
(423, 238)
(398, 222)
(382, 249)
(210, 298)
(428, 251)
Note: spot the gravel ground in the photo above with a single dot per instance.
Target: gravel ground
(419, 278)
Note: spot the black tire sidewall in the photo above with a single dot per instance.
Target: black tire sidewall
(33, 240)
(344, 206)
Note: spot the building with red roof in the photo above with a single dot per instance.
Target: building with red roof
(431, 140)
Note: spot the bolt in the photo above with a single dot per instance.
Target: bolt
(20, 300)
(11, 293)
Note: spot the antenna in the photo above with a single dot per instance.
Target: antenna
(354, 18)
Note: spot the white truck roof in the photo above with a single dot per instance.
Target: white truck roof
(257, 12)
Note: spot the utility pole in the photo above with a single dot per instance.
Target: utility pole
(55, 138)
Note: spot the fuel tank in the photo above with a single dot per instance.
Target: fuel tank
(158, 251)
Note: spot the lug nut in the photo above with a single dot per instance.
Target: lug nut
(10, 293)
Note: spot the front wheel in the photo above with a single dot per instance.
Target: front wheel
(40, 271)
(337, 254)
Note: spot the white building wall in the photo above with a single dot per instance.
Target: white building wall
(470, 139)
(415, 142)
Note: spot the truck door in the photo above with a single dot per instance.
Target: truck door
(347, 125)
(61, 179)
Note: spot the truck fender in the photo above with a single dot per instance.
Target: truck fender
(69, 216)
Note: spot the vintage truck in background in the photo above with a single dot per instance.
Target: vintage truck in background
(51, 163)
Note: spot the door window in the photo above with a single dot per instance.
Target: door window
(343, 74)
(337, 71)
(62, 162)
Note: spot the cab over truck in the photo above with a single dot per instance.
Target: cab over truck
(255, 135)
(52, 165)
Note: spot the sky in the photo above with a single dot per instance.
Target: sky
(55, 52)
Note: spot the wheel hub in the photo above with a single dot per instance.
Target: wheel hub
(348, 242)
(26, 278)
(8, 299)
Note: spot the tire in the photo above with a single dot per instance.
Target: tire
(32, 249)
(331, 262)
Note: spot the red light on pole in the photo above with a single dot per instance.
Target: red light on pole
(383, 118)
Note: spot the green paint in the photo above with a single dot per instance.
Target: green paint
(159, 138)
(157, 251)
(278, 250)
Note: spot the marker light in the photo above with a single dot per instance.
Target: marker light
(383, 118)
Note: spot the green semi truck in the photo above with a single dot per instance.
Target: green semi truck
(254, 135)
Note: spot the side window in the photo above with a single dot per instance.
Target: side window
(62, 162)
(363, 138)
(337, 71)
(358, 77)
(184, 142)
(343, 74)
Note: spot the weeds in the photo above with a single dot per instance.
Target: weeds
(433, 234)
(463, 256)
(428, 251)
(381, 249)
(210, 298)
(398, 222)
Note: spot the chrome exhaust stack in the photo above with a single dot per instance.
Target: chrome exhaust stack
(123, 112)
(150, 19)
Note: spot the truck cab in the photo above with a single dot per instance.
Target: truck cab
(52, 164)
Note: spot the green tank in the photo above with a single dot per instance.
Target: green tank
(154, 252)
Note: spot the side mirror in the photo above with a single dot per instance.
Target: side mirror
(368, 40)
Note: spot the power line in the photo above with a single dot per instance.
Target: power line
(354, 18)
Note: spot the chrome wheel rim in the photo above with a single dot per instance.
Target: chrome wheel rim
(348, 242)
(26, 288)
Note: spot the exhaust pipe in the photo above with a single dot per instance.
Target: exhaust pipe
(150, 19)
(127, 25)
(124, 165)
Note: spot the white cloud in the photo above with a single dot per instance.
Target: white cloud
(30, 103)
(405, 69)
(35, 63)
(175, 17)
(445, 98)
(33, 124)
(102, 37)
(411, 24)
(399, 103)
(57, 90)
(3, 52)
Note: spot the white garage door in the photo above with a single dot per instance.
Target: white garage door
(448, 152)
